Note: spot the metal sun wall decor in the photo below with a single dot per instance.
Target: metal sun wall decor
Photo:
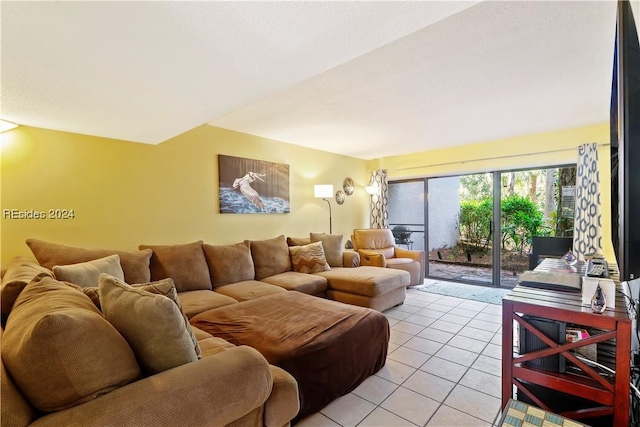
(253, 186)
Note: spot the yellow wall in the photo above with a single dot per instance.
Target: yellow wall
(125, 194)
(545, 149)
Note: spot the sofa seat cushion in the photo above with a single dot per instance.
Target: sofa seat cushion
(18, 275)
(229, 263)
(270, 257)
(185, 264)
(367, 281)
(86, 274)
(214, 345)
(152, 323)
(195, 302)
(249, 289)
(134, 264)
(59, 349)
(306, 283)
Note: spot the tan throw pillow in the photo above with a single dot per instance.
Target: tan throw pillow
(185, 264)
(134, 264)
(166, 288)
(229, 264)
(298, 241)
(152, 324)
(332, 244)
(20, 272)
(308, 258)
(59, 349)
(270, 257)
(85, 274)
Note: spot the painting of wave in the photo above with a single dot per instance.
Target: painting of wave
(253, 186)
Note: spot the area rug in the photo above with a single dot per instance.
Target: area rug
(461, 290)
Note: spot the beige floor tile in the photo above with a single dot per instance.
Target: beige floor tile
(449, 302)
(457, 355)
(435, 306)
(482, 381)
(383, 418)
(409, 357)
(407, 327)
(497, 339)
(464, 312)
(348, 410)
(445, 369)
(392, 347)
(395, 372)
(488, 364)
(392, 321)
(407, 308)
(398, 337)
(454, 318)
(467, 344)
(317, 420)
(419, 320)
(476, 334)
(417, 302)
(474, 305)
(470, 401)
(436, 335)
(411, 405)
(375, 389)
(493, 350)
(394, 313)
(446, 326)
(431, 314)
(484, 325)
(449, 417)
(495, 318)
(493, 309)
(429, 385)
(423, 345)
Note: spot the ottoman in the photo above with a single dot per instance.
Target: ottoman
(328, 347)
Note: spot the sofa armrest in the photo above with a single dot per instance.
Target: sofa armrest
(371, 258)
(212, 391)
(283, 403)
(416, 255)
(350, 259)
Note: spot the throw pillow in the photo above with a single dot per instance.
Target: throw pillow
(270, 257)
(185, 264)
(134, 264)
(229, 264)
(308, 258)
(298, 241)
(85, 274)
(59, 349)
(18, 275)
(152, 324)
(332, 244)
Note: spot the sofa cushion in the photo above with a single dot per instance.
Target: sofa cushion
(134, 264)
(306, 283)
(18, 275)
(332, 244)
(230, 263)
(308, 258)
(367, 281)
(195, 302)
(270, 257)
(85, 274)
(152, 324)
(59, 349)
(249, 289)
(298, 241)
(185, 264)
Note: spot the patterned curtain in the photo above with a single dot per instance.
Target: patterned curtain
(587, 234)
(380, 201)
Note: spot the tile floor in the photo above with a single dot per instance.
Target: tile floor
(443, 369)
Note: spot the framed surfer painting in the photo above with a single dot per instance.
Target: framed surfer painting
(253, 186)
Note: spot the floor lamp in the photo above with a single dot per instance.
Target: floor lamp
(324, 192)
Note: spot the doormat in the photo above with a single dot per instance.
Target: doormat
(461, 290)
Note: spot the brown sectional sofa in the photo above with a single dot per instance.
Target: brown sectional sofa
(205, 277)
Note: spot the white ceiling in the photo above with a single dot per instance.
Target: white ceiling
(365, 79)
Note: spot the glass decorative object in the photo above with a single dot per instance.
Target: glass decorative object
(570, 258)
(598, 300)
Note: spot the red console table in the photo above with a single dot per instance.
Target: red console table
(610, 397)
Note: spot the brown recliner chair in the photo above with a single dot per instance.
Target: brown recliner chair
(376, 246)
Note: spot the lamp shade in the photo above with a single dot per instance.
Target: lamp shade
(323, 191)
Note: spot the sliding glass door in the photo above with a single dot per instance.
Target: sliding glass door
(407, 213)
